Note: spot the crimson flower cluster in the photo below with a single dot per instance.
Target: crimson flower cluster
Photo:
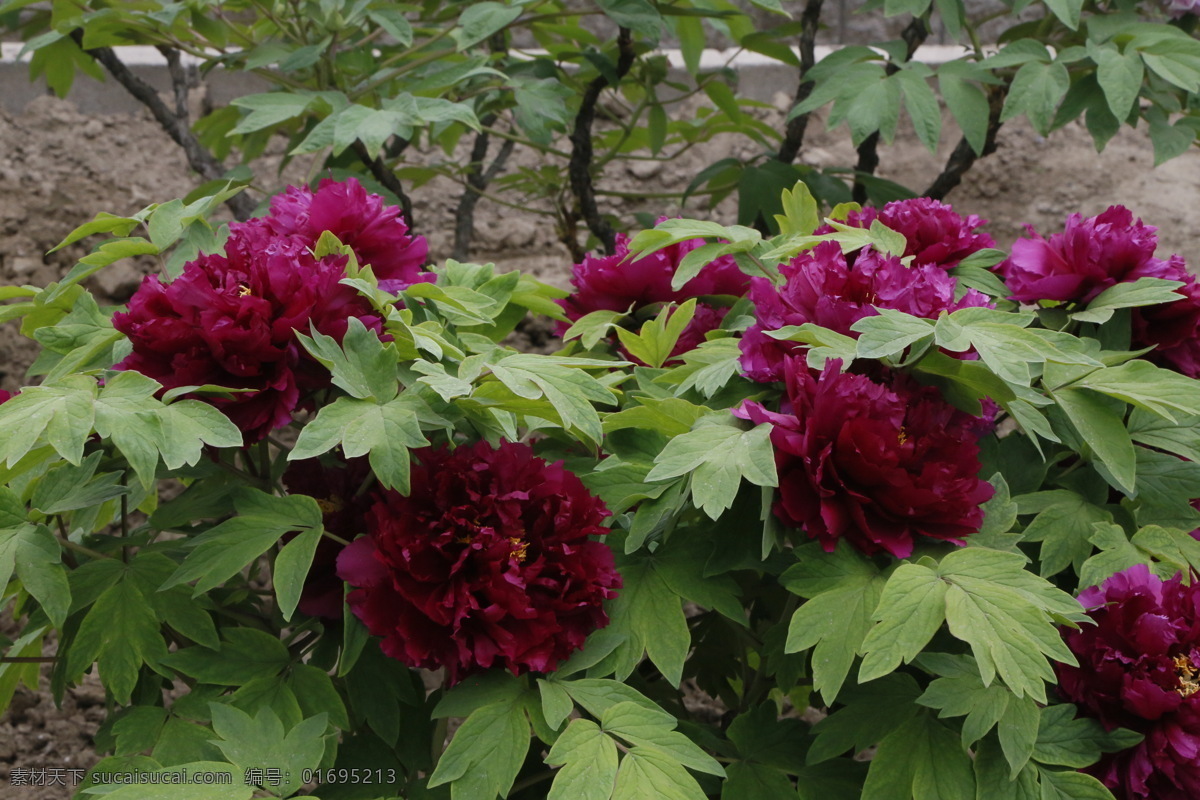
(878, 465)
(488, 561)
(1139, 668)
(822, 288)
(231, 320)
(616, 283)
(935, 232)
(376, 232)
(337, 488)
(1095, 253)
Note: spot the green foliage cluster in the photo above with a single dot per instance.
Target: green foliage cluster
(164, 555)
(138, 528)
(361, 85)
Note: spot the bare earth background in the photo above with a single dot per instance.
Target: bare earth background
(59, 167)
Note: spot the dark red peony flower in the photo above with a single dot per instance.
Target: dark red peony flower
(611, 283)
(376, 232)
(1139, 668)
(1089, 256)
(232, 320)
(1172, 328)
(823, 289)
(936, 233)
(336, 488)
(488, 562)
(877, 465)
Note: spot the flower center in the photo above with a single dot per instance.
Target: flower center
(330, 505)
(902, 436)
(243, 290)
(519, 548)
(1189, 679)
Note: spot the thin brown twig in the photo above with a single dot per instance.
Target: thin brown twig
(387, 177)
(175, 124)
(964, 156)
(914, 35)
(477, 181)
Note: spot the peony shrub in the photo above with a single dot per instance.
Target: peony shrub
(865, 509)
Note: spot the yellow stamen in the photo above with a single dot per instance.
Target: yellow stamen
(902, 436)
(1189, 680)
(519, 548)
(243, 290)
(330, 505)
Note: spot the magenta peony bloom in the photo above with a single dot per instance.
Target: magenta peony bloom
(1089, 256)
(877, 465)
(343, 512)
(231, 321)
(822, 289)
(1139, 668)
(376, 232)
(6, 396)
(488, 562)
(936, 233)
(611, 283)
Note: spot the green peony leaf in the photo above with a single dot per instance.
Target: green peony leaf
(1161, 391)
(225, 549)
(647, 729)
(1103, 430)
(486, 753)
(889, 333)
(1069, 741)
(872, 711)
(836, 619)
(1142, 292)
(1006, 614)
(920, 759)
(657, 338)
(748, 781)
(260, 742)
(649, 614)
(363, 365)
(291, 569)
(563, 382)
(386, 431)
(245, 654)
(910, 610)
(119, 633)
(588, 759)
(718, 454)
(647, 772)
(1060, 785)
(1064, 527)
(59, 413)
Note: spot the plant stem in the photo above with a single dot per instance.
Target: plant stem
(388, 178)
(532, 780)
(793, 136)
(914, 35)
(175, 124)
(78, 548)
(438, 745)
(579, 170)
(964, 156)
(335, 537)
